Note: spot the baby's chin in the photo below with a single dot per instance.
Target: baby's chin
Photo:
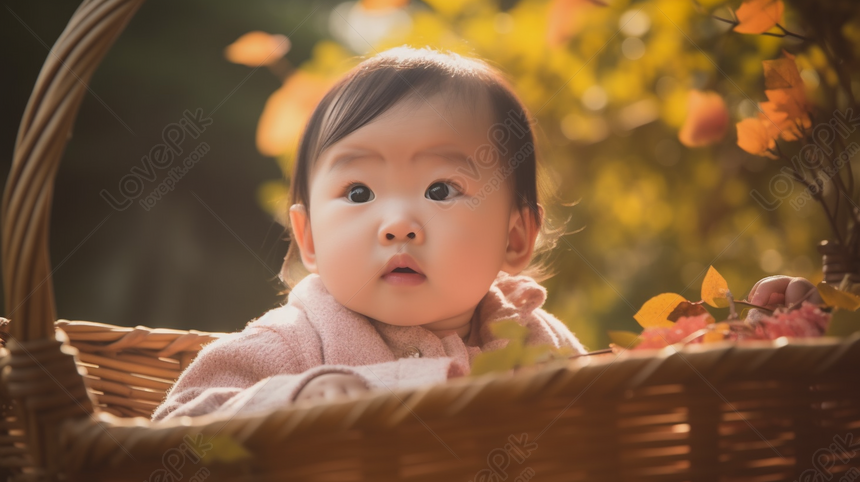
(398, 319)
(410, 316)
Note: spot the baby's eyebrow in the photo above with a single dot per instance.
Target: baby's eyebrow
(453, 156)
(342, 160)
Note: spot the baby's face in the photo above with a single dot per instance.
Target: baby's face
(399, 192)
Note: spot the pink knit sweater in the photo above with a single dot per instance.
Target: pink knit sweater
(265, 366)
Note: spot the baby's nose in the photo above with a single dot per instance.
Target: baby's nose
(401, 231)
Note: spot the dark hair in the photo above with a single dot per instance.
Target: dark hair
(380, 82)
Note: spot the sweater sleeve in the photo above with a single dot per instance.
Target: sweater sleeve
(280, 390)
(225, 368)
(265, 367)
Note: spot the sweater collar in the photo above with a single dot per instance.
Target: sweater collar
(510, 297)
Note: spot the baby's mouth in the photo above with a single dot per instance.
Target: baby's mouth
(403, 270)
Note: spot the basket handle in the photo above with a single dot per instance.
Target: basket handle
(42, 136)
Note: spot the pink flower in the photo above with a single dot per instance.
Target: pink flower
(684, 327)
(805, 322)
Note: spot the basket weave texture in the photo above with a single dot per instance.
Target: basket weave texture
(76, 396)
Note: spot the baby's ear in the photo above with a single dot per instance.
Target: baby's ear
(522, 233)
(301, 225)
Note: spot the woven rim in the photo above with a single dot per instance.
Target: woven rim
(604, 378)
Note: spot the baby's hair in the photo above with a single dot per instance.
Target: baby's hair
(377, 84)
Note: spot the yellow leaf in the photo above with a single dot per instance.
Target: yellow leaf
(655, 312)
(509, 329)
(224, 449)
(500, 360)
(714, 289)
(624, 339)
(255, 49)
(838, 299)
(758, 16)
(720, 330)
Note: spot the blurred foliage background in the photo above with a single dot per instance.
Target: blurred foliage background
(608, 83)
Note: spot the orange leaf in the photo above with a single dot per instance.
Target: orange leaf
(786, 94)
(782, 73)
(383, 4)
(287, 111)
(715, 289)
(758, 16)
(707, 119)
(566, 18)
(257, 48)
(718, 333)
(655, 312)
(782, 115)
(755, 137)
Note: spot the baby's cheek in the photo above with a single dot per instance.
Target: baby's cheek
(343, 256)
(471, 242)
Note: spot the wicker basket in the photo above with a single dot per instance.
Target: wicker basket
(76, 400)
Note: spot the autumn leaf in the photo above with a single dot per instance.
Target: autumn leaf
(383, 4)
(655, 312)
(777, 121)
(624, 339)
(718, 332)
(837, 298)
(715, 289)
(782, 73)
(754, 137)
(566, 18)
(687, 308)
(758, 16)
(707, 119)
(287, 111)
(255, 49)
(785, 114)
(786, 94)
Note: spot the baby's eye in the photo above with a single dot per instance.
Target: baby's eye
(441, 191)
(359, 193)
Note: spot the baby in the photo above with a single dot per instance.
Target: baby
(415, 211)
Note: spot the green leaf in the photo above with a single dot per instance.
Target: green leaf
(509, 329)
(224, 449)
(624, 339)
(844, 323)
(534, 354)
(500, 360)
